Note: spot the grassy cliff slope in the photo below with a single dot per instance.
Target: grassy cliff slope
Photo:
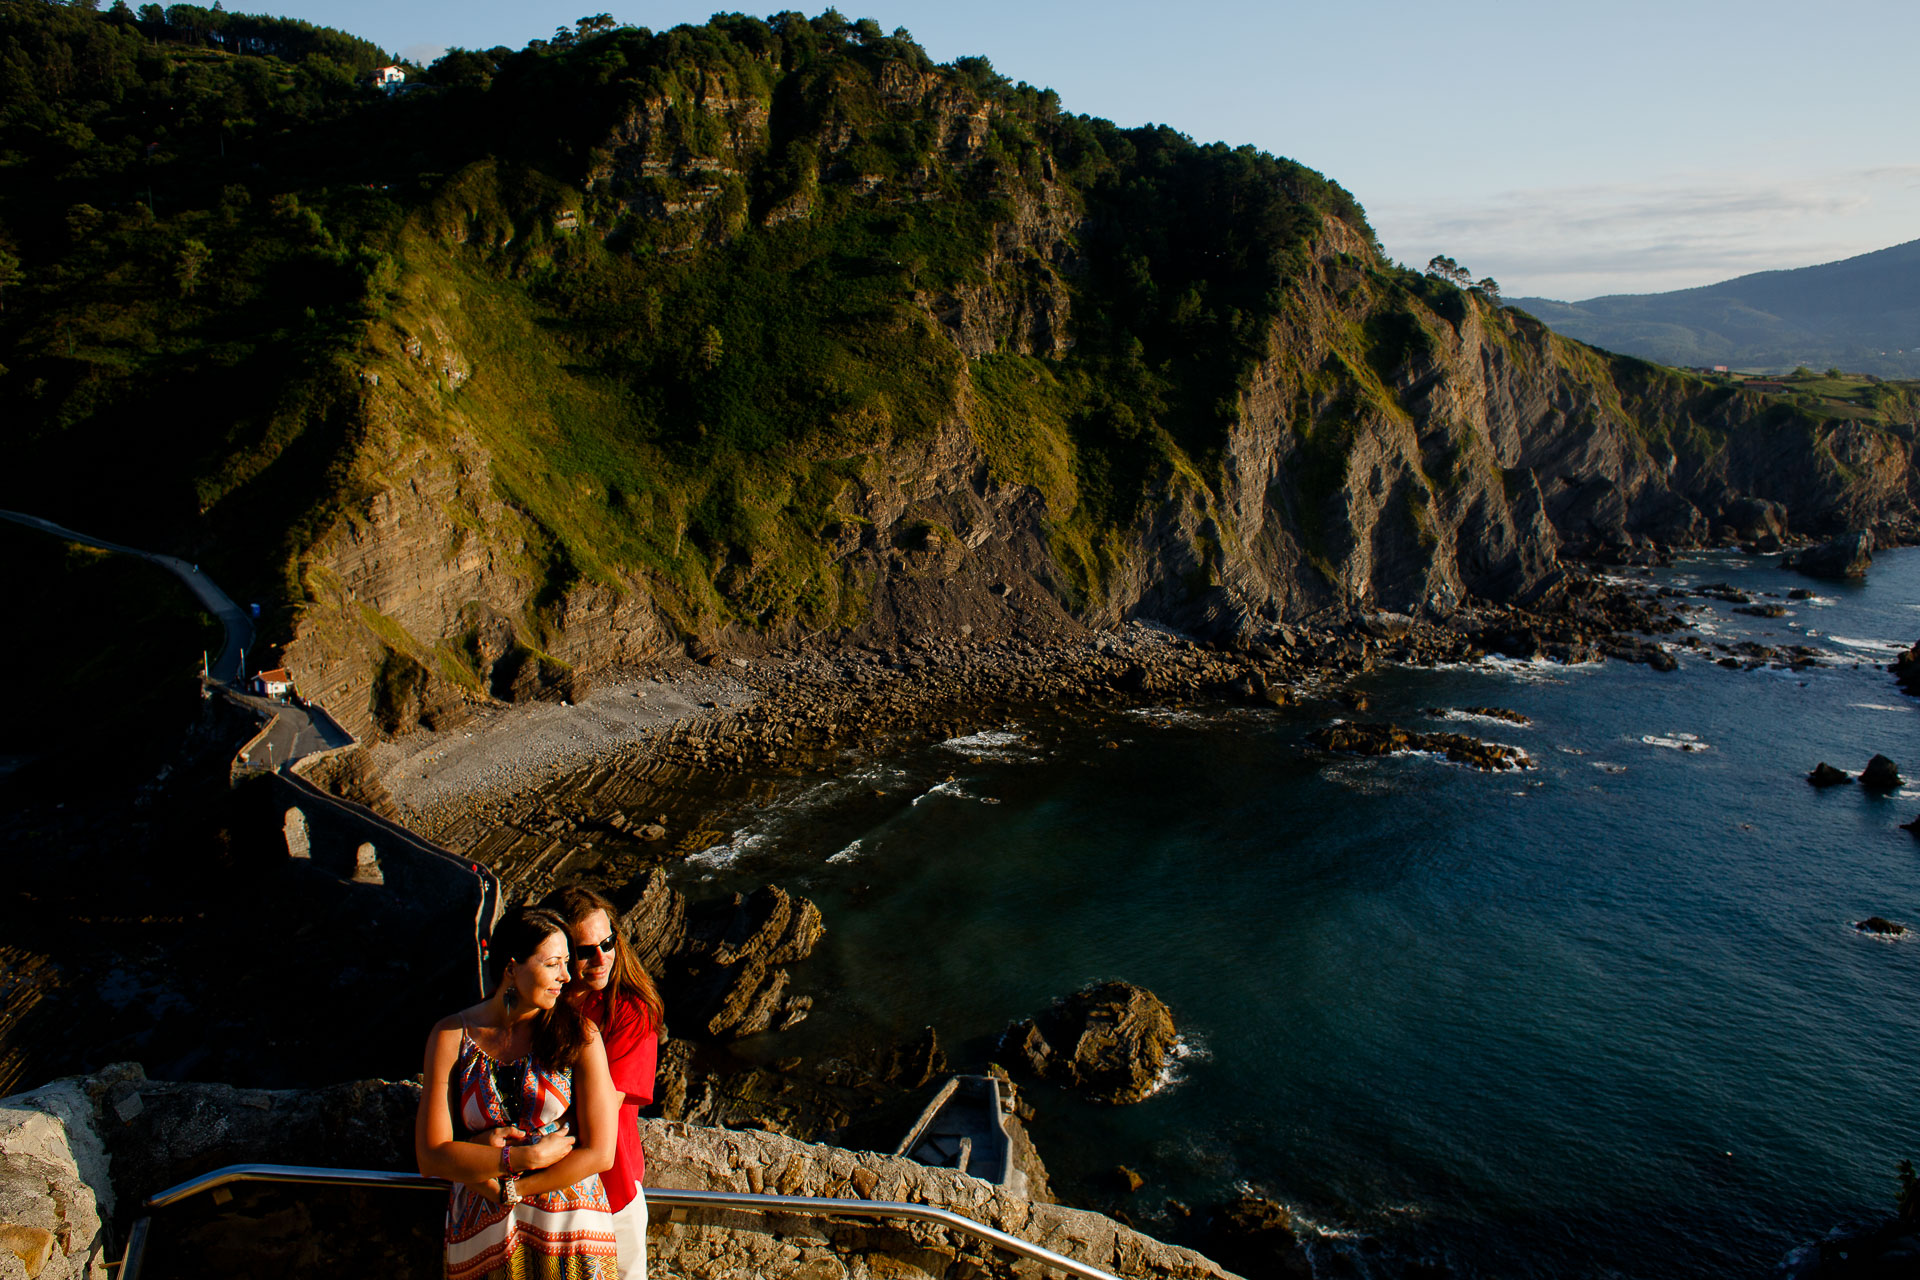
(767, 329)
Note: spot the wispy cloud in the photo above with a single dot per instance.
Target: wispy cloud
(1583, 241)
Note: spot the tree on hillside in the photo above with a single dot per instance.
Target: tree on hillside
(193, 259)
(1441, 267)
(9, 275)
(1488, 288)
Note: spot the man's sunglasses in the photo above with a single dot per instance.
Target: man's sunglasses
(583, 954)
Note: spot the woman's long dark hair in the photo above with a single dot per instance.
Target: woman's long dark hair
(630, 980)
(559, 1033)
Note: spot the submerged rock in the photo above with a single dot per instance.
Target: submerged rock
(1254, 1236)
(1499, 713)
(1881, 774)
(1391, 739)
(1825, 775)
(1880, 925)
(1109, 1041)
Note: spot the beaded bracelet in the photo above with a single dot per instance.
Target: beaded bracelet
(506, 1158)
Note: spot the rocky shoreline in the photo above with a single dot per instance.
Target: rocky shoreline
(797, 710)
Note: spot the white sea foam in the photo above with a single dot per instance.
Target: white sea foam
(987, 742)
(848, 854)
(952, 788)
(726, 853)
(1173, 1068)
(1537, 670)
(1164, 716)
(1870, 646)
(1889, 938)
(1456, 713)
(1676, 741)
(1878, 706)
(1605, 767)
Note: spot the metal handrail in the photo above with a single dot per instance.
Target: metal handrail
(657, 1197)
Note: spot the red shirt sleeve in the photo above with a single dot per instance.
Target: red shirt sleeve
(633, 1051)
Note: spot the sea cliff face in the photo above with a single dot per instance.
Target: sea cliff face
(1384, 442)
(1463, 469)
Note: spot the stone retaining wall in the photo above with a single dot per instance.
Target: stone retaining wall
(78, 1156)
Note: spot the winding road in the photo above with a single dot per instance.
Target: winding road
(226, 669)
(291, 731)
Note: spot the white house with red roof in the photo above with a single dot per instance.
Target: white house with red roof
(276, 683)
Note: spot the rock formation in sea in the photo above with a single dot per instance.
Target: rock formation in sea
(1848, 556)
(1110, 1041)
(1881, 774)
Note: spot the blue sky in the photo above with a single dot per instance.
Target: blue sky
(1568, 150)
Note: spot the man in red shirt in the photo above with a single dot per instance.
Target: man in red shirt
(611, 987)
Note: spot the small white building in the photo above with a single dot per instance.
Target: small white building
(276, 683)
(389, 77)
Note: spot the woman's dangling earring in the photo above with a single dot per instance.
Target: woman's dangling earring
(508, 996)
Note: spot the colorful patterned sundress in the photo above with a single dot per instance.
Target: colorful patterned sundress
(557, 1235)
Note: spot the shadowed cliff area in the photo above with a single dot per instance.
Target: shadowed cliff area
(746, 333)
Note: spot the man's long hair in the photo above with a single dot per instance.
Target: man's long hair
(629, 980)
(559, 1033)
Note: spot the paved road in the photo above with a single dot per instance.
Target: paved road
(297, 731)
(239, 627)
(294, 732)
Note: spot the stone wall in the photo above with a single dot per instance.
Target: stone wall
(79, 1156)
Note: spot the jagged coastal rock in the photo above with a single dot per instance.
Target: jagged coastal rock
(1881, 926)
(1881, 774)
(1906, 669)
(722, 963)
(1391, 739)
(90, 1148)
(1108, 1041)
(1848, 556)
(1825, 775)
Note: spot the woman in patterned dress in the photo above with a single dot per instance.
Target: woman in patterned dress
(519, 1112)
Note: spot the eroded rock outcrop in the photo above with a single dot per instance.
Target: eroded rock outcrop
(1391, 739)
(1848, 556)
(722, 964)
(1110, 1042)
(1881, 774)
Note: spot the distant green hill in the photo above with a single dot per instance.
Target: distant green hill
(1862, 314)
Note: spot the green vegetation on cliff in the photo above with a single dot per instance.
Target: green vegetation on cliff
(683, 301)
(711, 261)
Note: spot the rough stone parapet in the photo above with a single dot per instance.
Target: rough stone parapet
(722, 1243)
(72, 1151)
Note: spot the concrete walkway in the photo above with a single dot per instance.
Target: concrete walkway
(238, 625)
(292, 731)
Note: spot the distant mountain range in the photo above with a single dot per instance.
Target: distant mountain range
(1862, 314)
